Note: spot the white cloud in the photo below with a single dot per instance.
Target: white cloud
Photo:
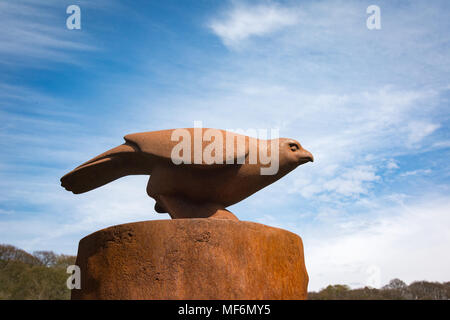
(242, 22)
(342, 182)
(34, 33)
(418, 130)
(392, 164)
(441, 144)
(402, 241)
(352, 181)
(415, 172)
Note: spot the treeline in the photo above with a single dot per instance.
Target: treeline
(40, 275)
(396, 289)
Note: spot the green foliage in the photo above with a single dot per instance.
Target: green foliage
(30, 277)
(334, 292)
(395, 290)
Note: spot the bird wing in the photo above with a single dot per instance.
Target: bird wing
(142, 150)
(113, 164)
(232, 148)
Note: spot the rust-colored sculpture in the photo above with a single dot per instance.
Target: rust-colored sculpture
(214, 170)
(194, 174)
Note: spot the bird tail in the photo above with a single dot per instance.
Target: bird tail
(106, 167)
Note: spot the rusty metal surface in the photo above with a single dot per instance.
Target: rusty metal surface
(192, 259)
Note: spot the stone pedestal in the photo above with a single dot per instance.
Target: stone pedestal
(191, 259)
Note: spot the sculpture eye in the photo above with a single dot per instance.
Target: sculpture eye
(293, 146)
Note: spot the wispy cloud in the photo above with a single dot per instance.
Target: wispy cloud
(392, 164)
(34, 34)
(243, 21)
(415, 172)
(419, 130)
(401, 241)
(6, 211)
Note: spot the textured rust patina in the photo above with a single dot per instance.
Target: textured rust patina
(192, 259)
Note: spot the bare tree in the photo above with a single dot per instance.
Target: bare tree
(47, 258)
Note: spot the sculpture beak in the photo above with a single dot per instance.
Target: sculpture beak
(306, 156)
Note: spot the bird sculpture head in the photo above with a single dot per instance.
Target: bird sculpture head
(293, 152)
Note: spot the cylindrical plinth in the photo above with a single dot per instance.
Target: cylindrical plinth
(191, 259)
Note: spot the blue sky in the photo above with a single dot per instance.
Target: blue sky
(371, 105)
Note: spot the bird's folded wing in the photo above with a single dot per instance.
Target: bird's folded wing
(118, 162)
(200, 147)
